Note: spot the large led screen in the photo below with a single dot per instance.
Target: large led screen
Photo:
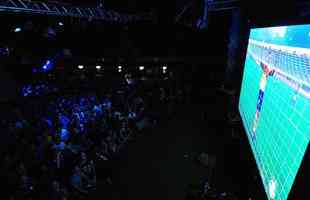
(275, 103)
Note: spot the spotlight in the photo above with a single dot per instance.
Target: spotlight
(60, 23)
(17, 30)
(119, 67)
(120, 70)
(141, 68)
(80, 66)
(98, 67)
(47, 66)
(164, 67)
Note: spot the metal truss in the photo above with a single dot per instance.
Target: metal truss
(223, 5)
(187, 15)
(23, 6)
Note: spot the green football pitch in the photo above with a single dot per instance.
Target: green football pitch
(282, 134)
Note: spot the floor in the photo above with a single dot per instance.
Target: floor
(161, 165)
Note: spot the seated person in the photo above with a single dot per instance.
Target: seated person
(97, 110)
(26, 185)
(131, 115)
(58, 144)
(76, 180)
(88, 172)
(64, 134)
(74, 142)
(63, 120)
(112, 147)
(102, 150)
(121, 138)
(125, 131)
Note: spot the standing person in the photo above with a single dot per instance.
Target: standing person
(267, 71)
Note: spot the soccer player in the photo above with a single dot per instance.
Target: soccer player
(267, 71)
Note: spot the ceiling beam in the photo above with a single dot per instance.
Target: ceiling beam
(22, 6)
(214, 6)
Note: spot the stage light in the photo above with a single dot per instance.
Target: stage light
(120, 70)
(80, 66)
(164, 67)
(98, 67)
(119, 67)
(47, 66)
(17, 30)
(141, 68)
(60, 23)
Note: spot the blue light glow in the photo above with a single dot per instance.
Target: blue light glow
(60, 24)
(17, 30)
(47, 66)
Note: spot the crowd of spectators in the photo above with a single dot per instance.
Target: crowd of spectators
(38, 90)
(58, 148)
(204, 191)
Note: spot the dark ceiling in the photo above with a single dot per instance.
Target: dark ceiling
(258, 11)
(127, 6)
(144, 38)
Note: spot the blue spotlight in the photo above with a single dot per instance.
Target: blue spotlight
(47, 66)
(17, 30)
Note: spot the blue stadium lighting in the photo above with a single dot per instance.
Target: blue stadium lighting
(47, 66)
(17, 30)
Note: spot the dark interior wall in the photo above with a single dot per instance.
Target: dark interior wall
(97, 39)
(9, 87)
(269, 12)
(211, 45)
